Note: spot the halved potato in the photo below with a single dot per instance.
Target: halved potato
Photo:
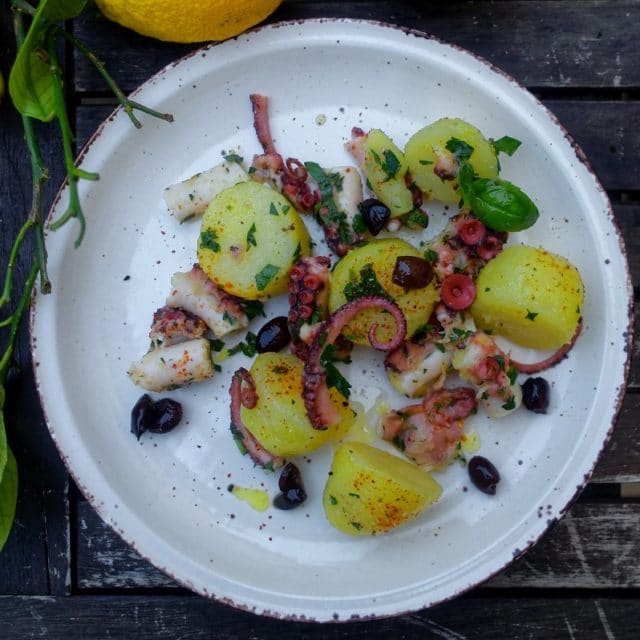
(385, 168)
(531, 296)
(427, 156)
(250, 237)
(381, 256)
(370, 491)
(279, 420)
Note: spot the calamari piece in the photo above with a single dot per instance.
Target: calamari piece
(194, 292)
(175, 366)
(192, 196)
(173, 326)
(488, 368)
(429, 433)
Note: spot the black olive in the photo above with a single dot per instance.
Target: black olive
(535, 395)
(290, 483)
(167, 415)
(374, 214)
(412, 272)
(483, 474)
(274, 335)
(157, 417)
(142, 415)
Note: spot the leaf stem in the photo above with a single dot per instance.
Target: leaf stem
(74, 173)
(23, 303)
(127, 105)
(13, 255)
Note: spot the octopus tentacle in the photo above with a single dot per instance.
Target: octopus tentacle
(552, 360)
(243, 392)
(320, 409)
(308, 301)
(173, 326)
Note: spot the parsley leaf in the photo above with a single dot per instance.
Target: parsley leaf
(265, 276)
(233, 157)
(506, 144)
(209, 240)
(251, 236)
(531, 315)
(367, 286)
(252, 308)
(460, 149)
(248, 347)
(334, 377)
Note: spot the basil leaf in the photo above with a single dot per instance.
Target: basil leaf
(8, 497)
(30, 80)
(500, 204)
(506, 144)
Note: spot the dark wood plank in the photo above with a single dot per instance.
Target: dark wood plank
(620, 462)
(594, 546)
(542, 44)
(170, 617)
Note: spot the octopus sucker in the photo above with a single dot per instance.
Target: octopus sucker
(320, 409)
(243, 393)
(308, 301)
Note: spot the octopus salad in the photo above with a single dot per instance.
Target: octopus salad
(442, 309)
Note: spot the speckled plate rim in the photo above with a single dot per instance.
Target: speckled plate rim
(137, 534)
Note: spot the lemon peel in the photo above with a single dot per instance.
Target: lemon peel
(189, 20)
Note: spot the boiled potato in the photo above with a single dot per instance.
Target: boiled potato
(426, 150)
(385, 168)
(370, 491)
(249, 239)
(279, 420)
(531, 296)
(380, 255)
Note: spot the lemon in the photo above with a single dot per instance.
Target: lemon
(188, 20)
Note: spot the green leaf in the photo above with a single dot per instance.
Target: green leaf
(369, 285)
(506, 144)
(8, 497)
(209, 240)
(3, 434)
(460, 149)
(265, 276)
(334, 377)
(30, 80)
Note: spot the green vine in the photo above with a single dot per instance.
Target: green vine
(37, 91)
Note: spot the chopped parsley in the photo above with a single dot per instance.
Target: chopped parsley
(459, 148)
(367, 286)
(233, 157)
(265, 276)
(506, 144)
(248, 347)
(512, 373)
(253, 308)
(425, 162)
(251, 236)
(510, 404)
(431, 255)
(216, 345)
(333, 499)
(209, 240)
(417, 219)
(334, 377)
(531, 315)
(273, 210)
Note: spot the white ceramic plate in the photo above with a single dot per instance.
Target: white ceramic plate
(167, 495)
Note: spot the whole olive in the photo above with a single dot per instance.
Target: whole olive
(157, 417)
(273, 335)
(412, 272)
(535, 395)
(141, 415)
(483, 474)
(374, 214)
(290, 484)
(167, 415)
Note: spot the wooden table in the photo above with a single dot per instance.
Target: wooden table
(64, 574)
